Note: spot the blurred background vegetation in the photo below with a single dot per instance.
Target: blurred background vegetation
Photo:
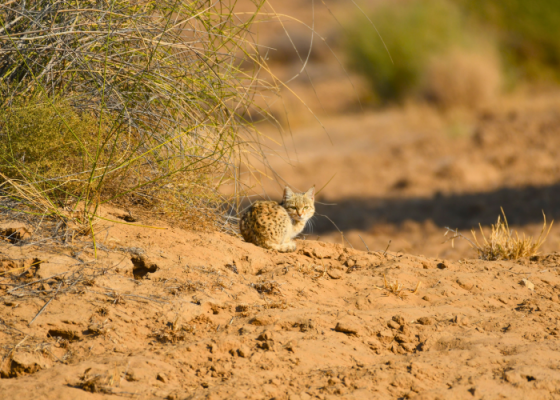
(492, 45)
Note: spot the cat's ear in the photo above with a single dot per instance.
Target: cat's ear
(288, 193)
(311, 193)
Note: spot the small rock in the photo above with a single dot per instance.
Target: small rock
(393, 325)
(245, 330)
(307, 252)
(243, 351)
(385, 337)
(402, 338)
(375, 345)
(263, 320)
(55, 266)
(131, 376)
(15, 231)
(405, 329)
(268, 345)
(25, 363)
(528, 284)
(513, 377)
(348, 327)
(161, 376)
(426, 321)
(323, 252)
(362, 263)
(409, 347)
(399, 319)
(333, 381)
(334, 274)
(266, 335)
(465, 283)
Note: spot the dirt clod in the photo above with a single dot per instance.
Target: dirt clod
(349, 327)
(142, 266)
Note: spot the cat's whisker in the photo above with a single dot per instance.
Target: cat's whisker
(311, 224)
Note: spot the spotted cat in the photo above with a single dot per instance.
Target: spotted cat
(274, 226)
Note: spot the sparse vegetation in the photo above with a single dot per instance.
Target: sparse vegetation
(398, 289)
(504, 243)
(395, 48)
(410, 49)
(528, 34)
(124, 103)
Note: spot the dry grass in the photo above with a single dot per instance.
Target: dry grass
(119, 102)
(268, 286)
(504, 243)
(398, 289)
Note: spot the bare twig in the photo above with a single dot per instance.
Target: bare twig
(364, 243)
(45, 306)
(387, 249)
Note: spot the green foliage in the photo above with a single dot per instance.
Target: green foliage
(125, 102)
(36, 139)
(413, 33)
(51, 143)
(528, 33)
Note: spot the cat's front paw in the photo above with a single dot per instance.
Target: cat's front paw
(292, 246)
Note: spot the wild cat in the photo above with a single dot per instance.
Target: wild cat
(274, 226)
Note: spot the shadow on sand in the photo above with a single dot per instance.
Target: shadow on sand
(521, 205)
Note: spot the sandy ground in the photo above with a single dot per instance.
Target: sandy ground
(173, 314)
(170, 314)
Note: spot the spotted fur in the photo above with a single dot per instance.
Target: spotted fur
(274, 226)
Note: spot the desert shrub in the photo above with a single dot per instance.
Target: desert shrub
(528, 33)
(125, 102)
(462, 78)
(504, 243)
(45, 141)
(413, 32)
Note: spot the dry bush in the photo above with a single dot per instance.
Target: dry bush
(129, 103)
(462, 78)
(504, 243)
(392, 52)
